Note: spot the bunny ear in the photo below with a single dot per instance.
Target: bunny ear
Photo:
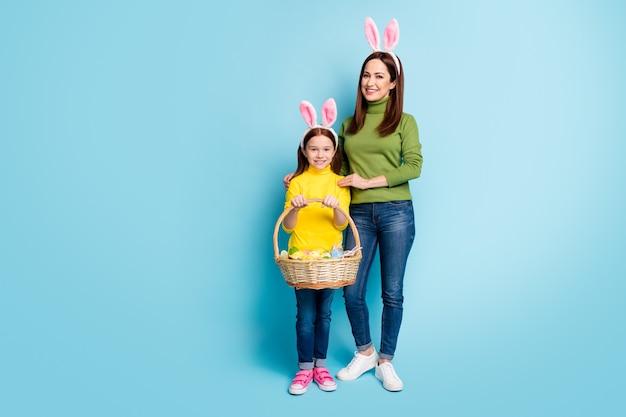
(308, 113)
(329, 113)
(392, 35)
(371, 33)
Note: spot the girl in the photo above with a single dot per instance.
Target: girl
(315, 228)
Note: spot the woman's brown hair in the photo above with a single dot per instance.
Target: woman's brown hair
(393, 112)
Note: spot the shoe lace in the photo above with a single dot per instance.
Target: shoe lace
(355, 361)
(388, 371)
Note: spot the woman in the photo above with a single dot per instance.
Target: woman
(381, 152)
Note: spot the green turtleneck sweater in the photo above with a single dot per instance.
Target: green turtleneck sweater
(316, 228)
(398, 156)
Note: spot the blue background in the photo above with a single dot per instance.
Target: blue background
(142, 146)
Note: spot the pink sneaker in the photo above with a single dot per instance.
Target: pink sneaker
(323, 379)
(301, 382)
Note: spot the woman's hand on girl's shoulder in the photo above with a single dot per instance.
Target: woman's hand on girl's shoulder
(287, 179)
(353, 180)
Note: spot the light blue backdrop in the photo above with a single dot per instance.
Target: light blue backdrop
(142, 146)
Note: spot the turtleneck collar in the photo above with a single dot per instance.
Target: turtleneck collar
(377, 107)
(323, 171)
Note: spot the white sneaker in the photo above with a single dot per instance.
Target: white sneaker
(387, 374)
(357, 366)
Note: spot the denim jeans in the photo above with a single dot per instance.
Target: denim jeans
(313, 326)
(390, 228)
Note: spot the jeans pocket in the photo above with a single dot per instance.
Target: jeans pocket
(401, 203)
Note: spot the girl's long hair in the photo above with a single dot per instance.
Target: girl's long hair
(303, 163)
(393, 112)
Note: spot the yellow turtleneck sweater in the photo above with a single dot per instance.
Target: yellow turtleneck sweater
(316, 229)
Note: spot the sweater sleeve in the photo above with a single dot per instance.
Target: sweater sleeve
(411, 150)
(295, 188)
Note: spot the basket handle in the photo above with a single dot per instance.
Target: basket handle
(313, 200)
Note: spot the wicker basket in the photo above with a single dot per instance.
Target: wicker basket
(318, 273)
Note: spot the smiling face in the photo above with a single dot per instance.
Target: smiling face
(376, 81)
(319, 151)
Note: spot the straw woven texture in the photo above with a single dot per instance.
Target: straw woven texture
(318, 273)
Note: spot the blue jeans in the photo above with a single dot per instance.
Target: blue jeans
(313, 326)
(390, 227)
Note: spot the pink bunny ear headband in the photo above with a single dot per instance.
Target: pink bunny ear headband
(329, 115)
(390, 39)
